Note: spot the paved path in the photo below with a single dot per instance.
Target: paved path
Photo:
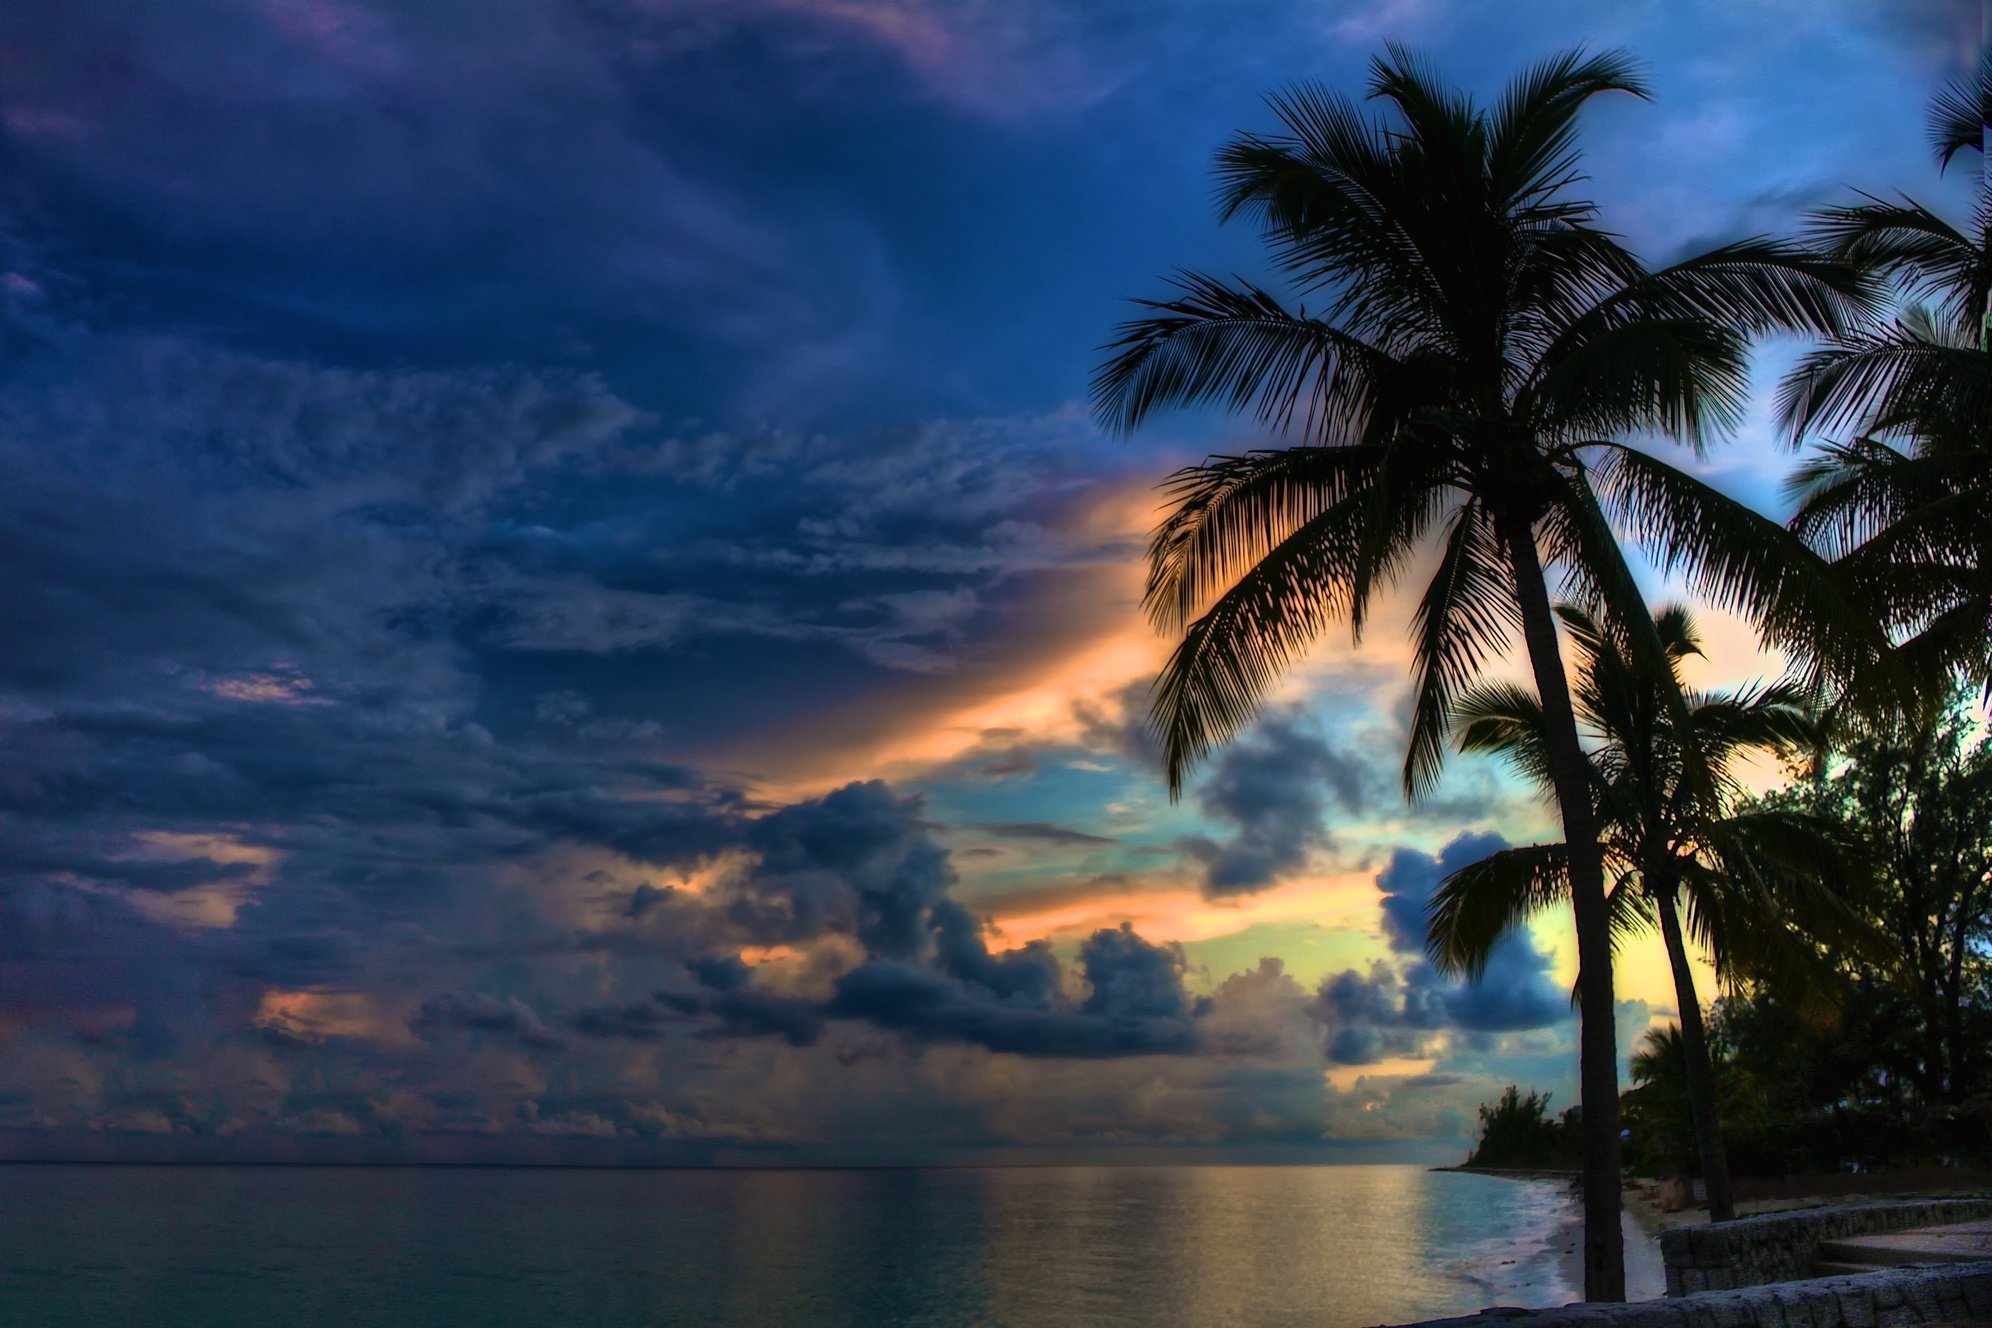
(1960, 1242)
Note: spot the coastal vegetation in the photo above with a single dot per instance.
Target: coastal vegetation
(1517, 1133)
(1900, 1073)
(1681, 854)
(1858, 1057)
(1479, 391)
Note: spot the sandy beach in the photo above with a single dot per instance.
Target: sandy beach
(1645, 1273)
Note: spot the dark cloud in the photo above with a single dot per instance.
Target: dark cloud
(932, 1007)
(646, 897)
(25, 860)
(1396, 1009)
(1515, 990)
(862, 862)
(1131, 977)
(1410, 879)
(477, 1012)
(1275, 787)
(1009, 1003)
(742, 1012)
(859, 861)
(1368, 1016)
(1029, 974)
(67, 951)
(1117, 725)
(443, 160)
(636, 1021)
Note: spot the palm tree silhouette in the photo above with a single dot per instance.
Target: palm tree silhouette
(1902, 506)
(1481, 346)
(1666, 800)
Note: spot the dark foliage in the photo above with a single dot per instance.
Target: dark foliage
(1518, 1132)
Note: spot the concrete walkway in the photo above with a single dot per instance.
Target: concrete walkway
(1959, 1242)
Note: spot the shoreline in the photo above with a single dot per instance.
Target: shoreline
(1642, 1220)
(1515, 1173)
(1645, 1270)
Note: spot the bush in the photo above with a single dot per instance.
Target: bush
(1518, 1132)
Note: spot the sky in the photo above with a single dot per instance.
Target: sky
(564, 601)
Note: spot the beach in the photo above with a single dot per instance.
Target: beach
(1645, 1273)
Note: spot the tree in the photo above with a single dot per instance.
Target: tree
(1902, 505)
(1918, 799)
(1666, 797)
(1518, 1133)
(1481, 346)
(1659, 1109)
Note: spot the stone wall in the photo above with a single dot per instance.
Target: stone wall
(1908, 1297)
(1781, 1247)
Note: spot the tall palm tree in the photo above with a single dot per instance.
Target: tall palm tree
(1666, 795)
(1479, 346)
(1902, 505)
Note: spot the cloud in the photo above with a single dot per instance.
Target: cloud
(1395, 1007)
(1409, 881)
(441, 155)
(858, 861)
(931, 1007)
(1042, 832)
(636, 1021)
(1380, 20)
(478, 1012)
(1131, 977)
(516, 583)
(1274, 787)
(861, 863)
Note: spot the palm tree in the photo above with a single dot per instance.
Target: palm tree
(1480, 345)
(1902, 505)
(1660, 1099)
(1666, 800)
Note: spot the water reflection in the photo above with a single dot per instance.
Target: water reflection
(1036, 1248)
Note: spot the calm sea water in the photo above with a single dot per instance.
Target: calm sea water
(1030, 1247)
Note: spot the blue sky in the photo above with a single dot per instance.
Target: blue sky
(564, 594)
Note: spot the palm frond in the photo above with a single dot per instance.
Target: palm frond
(1532, 135)
(1232, 654)
(1478, 904)
(1686, 378)
(1505, 719)
(1466, 613)
(1867, 378)
(1846, 493)
(1959, 114)
(1740, 559)
(1228, 512)
(1237, 347)
(1329, 198)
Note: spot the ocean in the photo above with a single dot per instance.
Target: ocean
(1033, 1247)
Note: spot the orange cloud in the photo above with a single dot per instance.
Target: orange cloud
(267, 689)
(1378, 1076)
(317, 1012)
(1176, 910)
(1079, 638)
(215, 903)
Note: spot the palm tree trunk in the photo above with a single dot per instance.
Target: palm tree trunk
(1597, 1053)
(1701, 1072)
